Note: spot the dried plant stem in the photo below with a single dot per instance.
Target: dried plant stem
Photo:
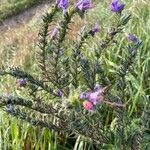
(112, 104)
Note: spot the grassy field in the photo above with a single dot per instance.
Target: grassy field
(21, 43)
(10, 8)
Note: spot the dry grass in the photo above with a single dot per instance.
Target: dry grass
(18, 45)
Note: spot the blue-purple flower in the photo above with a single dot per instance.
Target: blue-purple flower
(116, 6)
(22, 82)
(84, 5)
(84, 95)
(60, 93)
(95, 29)
(133, 38)
(64, 4)
(96, 96)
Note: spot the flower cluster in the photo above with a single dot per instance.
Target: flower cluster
(84, 5)
(93, 98)
(81, 5)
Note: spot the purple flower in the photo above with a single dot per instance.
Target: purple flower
(64, 4)
(116, 6)
(96, 97)
(133, 38)
(54, 33)
(60, 93)
(84, 95)
(84, 5)
(96, 28)
(22, 82)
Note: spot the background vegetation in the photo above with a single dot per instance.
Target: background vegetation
(20, 43)
(9, 8)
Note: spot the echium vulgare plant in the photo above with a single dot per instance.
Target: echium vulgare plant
(73, 90)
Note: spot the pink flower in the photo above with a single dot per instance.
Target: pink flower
(88, 105)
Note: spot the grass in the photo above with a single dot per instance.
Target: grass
(17, 44)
